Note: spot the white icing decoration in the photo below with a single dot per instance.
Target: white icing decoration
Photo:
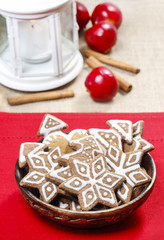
(86, 148)
(127, 135)
(33, 175)
(37, 147)
(45, 131)
(137, 144)
(55, 173)
(49, 189)
(92, 179)
(82, 169)
(125, 195)
(138, 128)
(147, 144)
(98, 167)
(123, 171)
(109, 180)
(106, 135)
(22, 158)
(50, 156)
(63, 205)
(105, 194)
(53, 193)
(115, 158)
(90, 196)
(40, 159)
(138, 157)
(77, 183)
(52, 136)
(73, 206)
(75, 188)
(131, 175)
(78, 165)
(84, 199)
(109, 175)
(110, 199)
(102, 167)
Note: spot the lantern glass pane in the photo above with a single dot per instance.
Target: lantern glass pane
(67, 35)
(3, 34)
(34, 40)
(5, 51)
(35, 47)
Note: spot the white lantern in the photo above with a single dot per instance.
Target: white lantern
(38, 44)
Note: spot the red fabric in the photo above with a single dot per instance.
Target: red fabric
(19, 221)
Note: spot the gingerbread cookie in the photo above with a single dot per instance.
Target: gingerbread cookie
(138, 128)
(92, 183)
(30, 148)
(66, 203)
(146, 146)
(59, 175)
(77, 133)
(38, 168)
(128, 165)
(50, 124)
(106, 137)
(59, 139)
(123, 127)
(85, 149)
(138, 142)
(135, 145)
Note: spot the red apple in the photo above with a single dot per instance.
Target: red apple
(101, 84)
(107, 11)
(101, 37)
(82, 15)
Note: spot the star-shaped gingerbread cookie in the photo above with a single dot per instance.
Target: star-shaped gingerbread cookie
(128, 165)
(93, 183)
(39, 166)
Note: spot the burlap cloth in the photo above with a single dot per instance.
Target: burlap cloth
(141, 43)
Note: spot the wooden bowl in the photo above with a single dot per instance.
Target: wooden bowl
(89, 219)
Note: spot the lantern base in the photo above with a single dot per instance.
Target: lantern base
(36, 84)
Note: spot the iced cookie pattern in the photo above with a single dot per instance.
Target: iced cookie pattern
(93, 183)
(84, 169)
(50, 124)
(106, 137)
(38, 168)
(138, 128)
(123, 127)
(85, 149)
(128, 165)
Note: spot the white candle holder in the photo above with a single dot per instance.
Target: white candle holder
(38, 44)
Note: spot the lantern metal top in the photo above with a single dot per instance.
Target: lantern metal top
(31, 8)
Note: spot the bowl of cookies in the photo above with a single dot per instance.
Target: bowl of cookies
(86, 178)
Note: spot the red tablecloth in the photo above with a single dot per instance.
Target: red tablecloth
(19, 221)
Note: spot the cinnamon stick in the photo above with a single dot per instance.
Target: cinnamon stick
(41, 96)
(112, 62)
(123, 84)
